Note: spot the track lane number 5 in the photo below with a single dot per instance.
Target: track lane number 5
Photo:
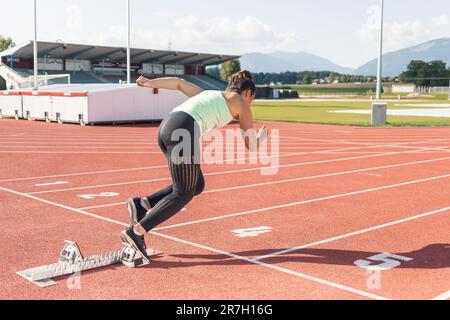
(386, 261)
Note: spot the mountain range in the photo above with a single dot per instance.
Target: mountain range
(394, 63)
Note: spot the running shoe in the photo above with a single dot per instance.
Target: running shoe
(129, 236)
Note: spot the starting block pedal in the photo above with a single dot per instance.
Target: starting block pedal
(71, 261)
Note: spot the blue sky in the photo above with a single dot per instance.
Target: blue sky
(344, 31)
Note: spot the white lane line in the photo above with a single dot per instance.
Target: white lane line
(293, 204)
(274, 267)
(104, 206)
(250, 185)
(38, 144)
(277, 268)
(80, 152)
(371, 143)
(325, 175)
(92, 215)
(51, 183)
(85, 173)
(80, 147)
(444, 296)
(355, 233)
(218, 173)
(165, 166)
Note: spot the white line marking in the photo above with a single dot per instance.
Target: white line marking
(259, 168)
(159, 167)
(369, 144)
(51, 183)
(79, 152)
(444, 296)
(293, 204)
(277, 268)
(100, 195)
(274, 267)
(92, 215)
(352, 234)
(102, 206)
(251, 232)
(79, 147)
(324, 175)
(86, 173)
(274, 182)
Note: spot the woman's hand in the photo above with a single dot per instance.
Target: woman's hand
(143, 82)
(262, 135)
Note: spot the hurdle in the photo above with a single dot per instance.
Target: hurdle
(72, 261)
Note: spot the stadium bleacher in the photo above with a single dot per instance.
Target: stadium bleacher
(205, 82)
(89, 64)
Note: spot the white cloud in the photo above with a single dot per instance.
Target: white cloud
(441, 21)
(163, 14)
(400, 34)
(216, 34)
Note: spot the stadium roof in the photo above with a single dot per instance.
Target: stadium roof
(59, 50)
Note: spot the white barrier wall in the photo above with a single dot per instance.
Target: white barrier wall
(54, 108)
(10, 104)
(96, 103)
(132, 104)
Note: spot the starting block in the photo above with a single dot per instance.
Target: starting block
(71, 261)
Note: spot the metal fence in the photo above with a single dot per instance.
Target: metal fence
(439, 90)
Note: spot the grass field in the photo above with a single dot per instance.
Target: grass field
(319, 112)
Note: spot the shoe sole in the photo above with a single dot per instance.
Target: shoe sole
(132, 212)
(127, 239)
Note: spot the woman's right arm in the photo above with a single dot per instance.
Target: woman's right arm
(170, 83)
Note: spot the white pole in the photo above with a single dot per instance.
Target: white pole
(35, 48)
(380, 54)
(128, 44)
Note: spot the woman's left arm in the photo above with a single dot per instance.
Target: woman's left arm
(170, 83)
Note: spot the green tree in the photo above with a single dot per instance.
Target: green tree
(343, 78)
(438, 73)
(419, 72)
(332, 77)
(5, 44)
(229, 68)
(307, 79)
(213, 72)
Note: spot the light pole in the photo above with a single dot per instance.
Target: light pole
(35, 52)
(128, 44)
(380, 54)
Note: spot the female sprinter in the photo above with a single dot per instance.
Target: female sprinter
(204, 111)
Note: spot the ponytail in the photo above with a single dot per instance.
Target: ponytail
(242, 81)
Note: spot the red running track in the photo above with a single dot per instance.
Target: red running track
(343, 198)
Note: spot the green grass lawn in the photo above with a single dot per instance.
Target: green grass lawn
(318, 112)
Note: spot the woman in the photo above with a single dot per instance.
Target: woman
(204, 111)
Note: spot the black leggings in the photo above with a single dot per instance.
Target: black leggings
(187, 177)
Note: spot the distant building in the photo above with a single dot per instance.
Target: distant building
(267, 92)
(404, 88)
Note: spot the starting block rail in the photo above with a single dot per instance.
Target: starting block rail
(72, 261)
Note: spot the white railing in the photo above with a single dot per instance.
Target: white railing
(15, 80)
